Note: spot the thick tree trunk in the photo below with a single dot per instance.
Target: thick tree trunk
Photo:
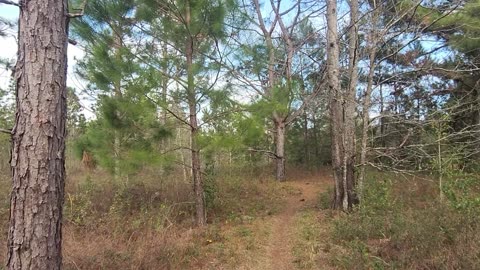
(116, 156)
(164, 83)
(335, 101)
(315, 137)
(476, 121)
(200, 211)
(349, 108)
(341, 125)
(38, 149)
(279, 124)
(280, 150)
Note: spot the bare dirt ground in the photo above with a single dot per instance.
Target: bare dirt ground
(304, 194)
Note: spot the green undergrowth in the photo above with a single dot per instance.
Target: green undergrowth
(239, 199)
(309, 234)
(402, 224)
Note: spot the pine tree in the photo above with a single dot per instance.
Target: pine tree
(276, 57)
(193, 29)
(123, 136)
(38, 148)
(461, 30)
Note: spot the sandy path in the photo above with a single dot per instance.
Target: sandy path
(304, 194)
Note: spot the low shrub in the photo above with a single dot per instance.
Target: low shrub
(392, 230)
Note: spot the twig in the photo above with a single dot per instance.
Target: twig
(7, 2)
(6, 131)
(169, 111)
(270, 153)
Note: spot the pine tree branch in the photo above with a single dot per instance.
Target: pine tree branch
(308, 100)
(208, 120)
(6, 131)
(7, 2)
(269, 153)
(169, 111)
(188, 166)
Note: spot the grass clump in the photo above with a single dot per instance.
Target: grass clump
(309, 236)
(403, 225)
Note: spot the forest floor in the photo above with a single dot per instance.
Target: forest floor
(257, 223)
(290, 238)
(283, 237)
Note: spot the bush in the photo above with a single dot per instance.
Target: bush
(325, 199)
(78, 206)
(396, 228)
(210, 189)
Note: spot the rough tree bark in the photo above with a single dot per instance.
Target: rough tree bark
(38, 148)
(306, 152)
(341, 127)
(335, 101)
(349, 107)
(200, 213)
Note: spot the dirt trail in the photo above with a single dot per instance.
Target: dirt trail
(304, 195)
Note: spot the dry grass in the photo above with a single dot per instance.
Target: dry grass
(403, 225)
(311, 247)
(147, 221)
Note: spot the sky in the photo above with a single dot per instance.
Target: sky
(8, 50)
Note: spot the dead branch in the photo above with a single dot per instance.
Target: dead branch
(6, 131)
(267, 152)
(7, 2)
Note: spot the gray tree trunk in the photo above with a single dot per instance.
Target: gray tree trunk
(335, 101)
(38, 148)
(342, 128)
(279, 121)
(306, 152)
(349, 108)
(200, 213)
(280, 150)
(372, 40)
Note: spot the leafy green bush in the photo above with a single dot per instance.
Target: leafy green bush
(368, 221)
(210, 189)
(461, 190)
